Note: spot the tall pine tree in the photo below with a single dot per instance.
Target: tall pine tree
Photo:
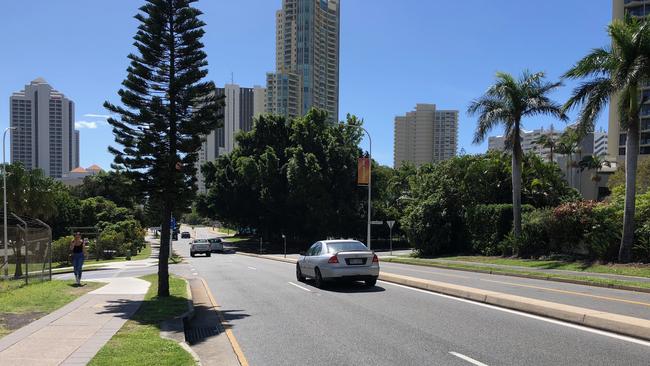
(166, 108)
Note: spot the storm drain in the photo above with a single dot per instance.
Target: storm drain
(195, 335)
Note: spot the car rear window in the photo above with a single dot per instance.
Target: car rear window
(345, 246)
(217, 240)
(200, 241)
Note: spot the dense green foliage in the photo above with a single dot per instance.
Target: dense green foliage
(445, 201)
(32, 194)
(294, 177)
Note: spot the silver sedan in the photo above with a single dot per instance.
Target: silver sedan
(338, 259)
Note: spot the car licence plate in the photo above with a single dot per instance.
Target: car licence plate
(356, 261)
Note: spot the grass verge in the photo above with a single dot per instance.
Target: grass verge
(21, 304)
(139, 342)
(639, 270)
(596, 281)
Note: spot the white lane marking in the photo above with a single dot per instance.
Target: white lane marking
(253, 268)
(300, 287)
(531, 316)
(468, 359)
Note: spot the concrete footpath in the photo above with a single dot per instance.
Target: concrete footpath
(594, 313)
(73, 334)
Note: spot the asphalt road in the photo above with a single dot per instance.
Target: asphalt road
(278, 321)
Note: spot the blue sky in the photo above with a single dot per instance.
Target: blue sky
(393, 54)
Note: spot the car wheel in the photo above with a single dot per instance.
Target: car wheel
(299, 275)
(191, 254)
(318, 280)
(371, 283)
(208, 254)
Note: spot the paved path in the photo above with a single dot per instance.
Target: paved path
(279, 321)
(73, 334)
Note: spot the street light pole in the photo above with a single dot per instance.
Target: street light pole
(4, 200)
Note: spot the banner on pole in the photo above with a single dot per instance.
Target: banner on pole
(363, 171)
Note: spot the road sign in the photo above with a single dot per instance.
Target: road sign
(376, 222)
(390, 223)
(172, 223)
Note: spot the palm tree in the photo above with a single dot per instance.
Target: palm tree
(594, 163)
(547, 141)
(568, 146)
(506, 103)
(618, 71)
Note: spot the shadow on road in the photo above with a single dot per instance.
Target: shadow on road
(348, 287)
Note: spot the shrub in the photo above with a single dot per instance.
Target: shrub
(582, 228)
(488, 226)
(535, 238)
(110, 239)
(61, 250)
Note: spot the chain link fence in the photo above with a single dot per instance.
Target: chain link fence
(27, 254)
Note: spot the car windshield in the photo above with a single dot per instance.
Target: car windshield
(345, 246)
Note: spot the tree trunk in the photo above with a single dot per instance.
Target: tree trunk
(163, 258)
(631, 158)
(168, 194)
(516, 189)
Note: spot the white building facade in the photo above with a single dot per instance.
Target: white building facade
(425, 135)
(242, 105)
(45, 135)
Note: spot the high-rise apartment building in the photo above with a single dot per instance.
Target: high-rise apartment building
(617, 138)
(241, 106)
(425, 135)
(528, 144)
(307, 59)
(45, 137)
(597, 141)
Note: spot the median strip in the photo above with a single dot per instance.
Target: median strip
(621, 324)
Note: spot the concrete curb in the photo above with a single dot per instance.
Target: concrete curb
(174, 329)
(621, 324)
(534, 277)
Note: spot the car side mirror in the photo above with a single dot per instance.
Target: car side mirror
(303, 253)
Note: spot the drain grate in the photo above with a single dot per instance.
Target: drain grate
(195, 335)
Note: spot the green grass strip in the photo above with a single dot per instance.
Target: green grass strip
(596, 281)
(139, 341)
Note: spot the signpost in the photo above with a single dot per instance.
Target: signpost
(285, 245)
(390, 229)
(172, 224)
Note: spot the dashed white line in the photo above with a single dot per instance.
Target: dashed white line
(468, 359)
(536, 317)
(300, 287)
(253, 268)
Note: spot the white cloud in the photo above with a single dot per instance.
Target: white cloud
(92, 115)
(85, 124)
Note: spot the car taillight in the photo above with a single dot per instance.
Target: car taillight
(375, 259)
(333, 259)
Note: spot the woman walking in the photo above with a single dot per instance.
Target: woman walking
(78, 249)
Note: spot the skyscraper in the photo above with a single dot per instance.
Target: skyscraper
(616, 137)
(45, 137)
(307, 59)
(425, 135)
(241, 106)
